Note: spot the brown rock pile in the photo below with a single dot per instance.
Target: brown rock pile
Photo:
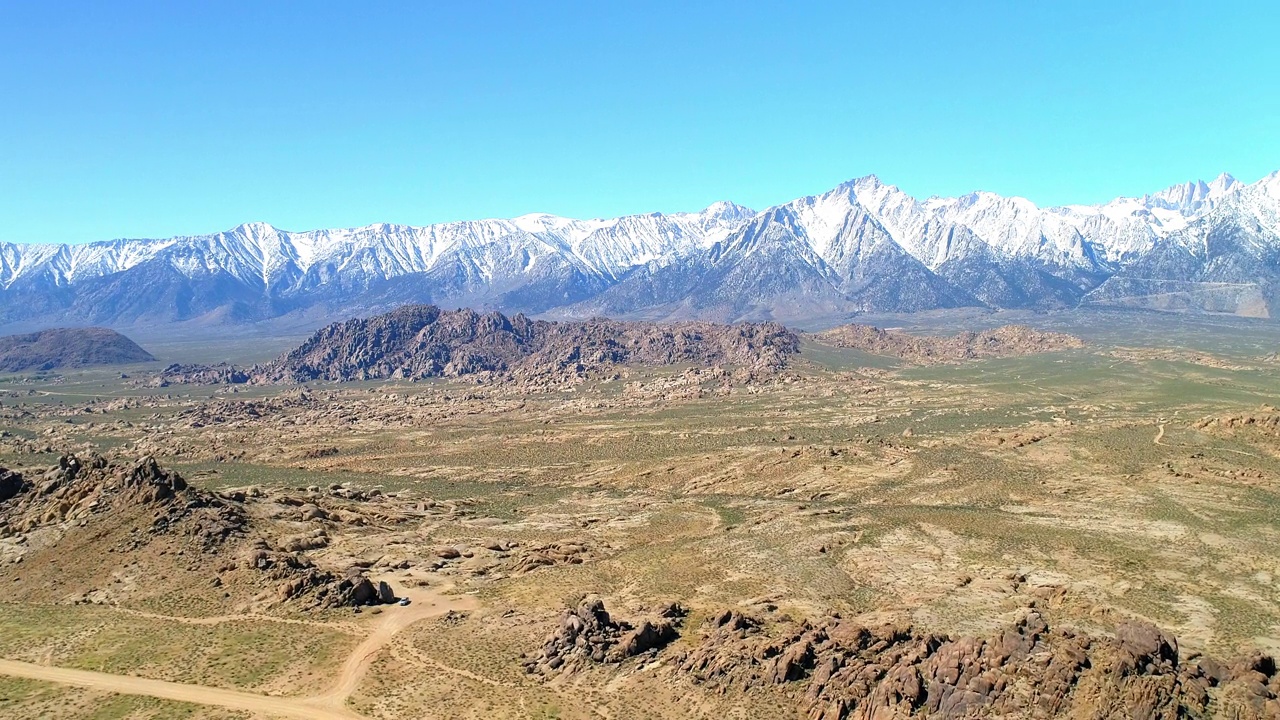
(322, 588)
(295, 578)
(334, 506)
(509, 557)
(586, 633)
(1004, 341)
(242, 412)
(846, 670)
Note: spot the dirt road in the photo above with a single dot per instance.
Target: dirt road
(425, 604)
(332, 705)
(303, 709)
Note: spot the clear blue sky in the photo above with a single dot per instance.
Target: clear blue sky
(128, 119)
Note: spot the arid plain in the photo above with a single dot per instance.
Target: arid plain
(652, 541)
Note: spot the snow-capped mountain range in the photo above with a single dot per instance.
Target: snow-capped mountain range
(864, 246)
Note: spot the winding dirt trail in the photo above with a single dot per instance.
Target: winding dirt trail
(331, 705)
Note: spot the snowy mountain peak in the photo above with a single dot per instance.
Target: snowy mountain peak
(253, 230)
(724, 208)
(1270, 185)
(725, 212)
(542, 222)
(862, 245)
(865, 184)
(1192, 197)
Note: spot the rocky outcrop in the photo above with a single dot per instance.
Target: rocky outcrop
(423, 341)
(587, 633)
(362, 589)
(68, 348)
(1005, 341)
(77, 489)
(846, 670)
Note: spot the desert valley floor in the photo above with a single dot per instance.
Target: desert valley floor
(1084, 532)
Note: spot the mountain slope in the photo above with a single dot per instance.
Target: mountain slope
(863, 246)
(1227, 261)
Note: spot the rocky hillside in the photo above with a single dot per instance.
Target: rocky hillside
(423, 341)
(68, 532)
(839, 669)
(68, 348)
(1004, 341)
(77, 489)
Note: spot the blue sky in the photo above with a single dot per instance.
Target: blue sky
(129, 119)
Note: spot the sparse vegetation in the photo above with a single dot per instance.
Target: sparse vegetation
(946, 496)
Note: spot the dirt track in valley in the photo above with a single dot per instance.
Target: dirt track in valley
(332, 705)
(301, 708)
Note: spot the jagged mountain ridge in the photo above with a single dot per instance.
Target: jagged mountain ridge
(864, 246)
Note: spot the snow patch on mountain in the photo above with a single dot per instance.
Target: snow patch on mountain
(863, 245)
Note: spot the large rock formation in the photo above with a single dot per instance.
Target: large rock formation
(423, 341)
(68, 348)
